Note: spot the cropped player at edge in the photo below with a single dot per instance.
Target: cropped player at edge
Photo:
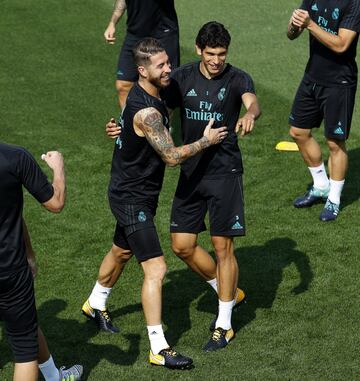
(326, 93)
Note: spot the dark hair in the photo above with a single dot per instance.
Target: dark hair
(145, 49)
(214, 35)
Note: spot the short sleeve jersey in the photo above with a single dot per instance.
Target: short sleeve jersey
(151, 18)
(325, 66)
(201, 99)
(137, 170)
(17, 168)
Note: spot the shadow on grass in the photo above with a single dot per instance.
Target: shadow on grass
(261, 269)
(70, 341)
(351, 191)
(261, 272)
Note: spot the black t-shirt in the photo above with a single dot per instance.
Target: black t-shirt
(325, 66)
(17, 168)
(151, 18)
(137, 170)
(201, 99)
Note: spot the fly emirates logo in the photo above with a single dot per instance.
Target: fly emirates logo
(204, 113)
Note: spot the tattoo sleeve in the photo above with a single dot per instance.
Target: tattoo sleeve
(150, 122)
(118, 11)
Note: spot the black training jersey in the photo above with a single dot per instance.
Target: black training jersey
(17, 168)
(137, 170)
(201, 99)
(325, 66)
(151, 18)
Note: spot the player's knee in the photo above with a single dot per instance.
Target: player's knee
(123, 87)
(120, 255)
(181, 250)
(156, 273)
(299, 134)
(336, 146)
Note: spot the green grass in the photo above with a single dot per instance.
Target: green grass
(301, 320)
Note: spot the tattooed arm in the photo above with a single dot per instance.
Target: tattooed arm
(293, 30)
(119, 9)
(148, 123)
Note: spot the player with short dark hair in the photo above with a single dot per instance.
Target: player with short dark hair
(137, 173)
(212, 181)
(326, 93)
(145, 18)
(17, 262)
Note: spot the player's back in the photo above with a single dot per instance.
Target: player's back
(137, 170)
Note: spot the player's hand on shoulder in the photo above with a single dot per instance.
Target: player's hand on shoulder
(215, 135)
(112, 129)
(245, 124)
(109, 34)
(53, 159)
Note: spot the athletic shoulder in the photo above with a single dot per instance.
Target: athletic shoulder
(242, 79)
(182, 72)
(351, 16)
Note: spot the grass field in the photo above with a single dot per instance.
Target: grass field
(301, 321)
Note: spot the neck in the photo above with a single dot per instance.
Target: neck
(149, 87)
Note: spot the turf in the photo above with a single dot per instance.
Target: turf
(301, 276)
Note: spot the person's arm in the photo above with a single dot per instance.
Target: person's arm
(55, 161)
(119, 9)
(30, 254)
(148, 123)
(337, 43)
(247, 122)
(293, 31)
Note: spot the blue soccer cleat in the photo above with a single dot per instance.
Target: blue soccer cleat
(311, 197)
(330, 211)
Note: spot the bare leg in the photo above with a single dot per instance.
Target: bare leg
(113, 265)
(308, 146)
(151, 295)
(186, 248)
(26, 371)
(44, 353)
(338, 161)
(227, 267)
(123, 88)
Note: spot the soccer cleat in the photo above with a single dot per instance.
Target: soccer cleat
(102, 318)
(170, 359)
(330, 211)
(311, 197)
(72, 374)
(240, 296)
(219, 339)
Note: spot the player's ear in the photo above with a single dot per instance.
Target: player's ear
(142, 71)
(198, 50)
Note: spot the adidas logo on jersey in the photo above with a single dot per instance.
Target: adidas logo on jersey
(315, 7)
(191, 93)
(236, 226)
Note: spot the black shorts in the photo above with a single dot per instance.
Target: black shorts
(222, 197)
(17, 309)
(135, 230)
(126, 69)
(314, 103)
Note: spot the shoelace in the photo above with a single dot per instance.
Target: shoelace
(217, 334)
(331, 207)
(66, 374)
(106, 315)
(171, 352)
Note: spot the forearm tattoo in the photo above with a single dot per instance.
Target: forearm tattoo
(150, 122)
